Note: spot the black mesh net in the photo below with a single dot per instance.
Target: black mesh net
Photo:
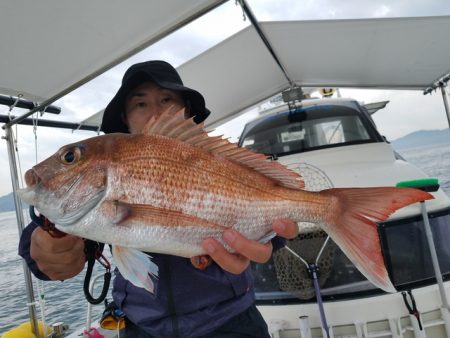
(292, 274)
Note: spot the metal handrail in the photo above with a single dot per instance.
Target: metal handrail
(20, 224)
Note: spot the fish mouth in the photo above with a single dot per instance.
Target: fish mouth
(32, 178)
(28, 195)
(34, 184)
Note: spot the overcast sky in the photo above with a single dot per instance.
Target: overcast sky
(407, 111)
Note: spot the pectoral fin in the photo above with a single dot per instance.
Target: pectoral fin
(136, 266)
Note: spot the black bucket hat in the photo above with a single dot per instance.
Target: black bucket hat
(165, 76)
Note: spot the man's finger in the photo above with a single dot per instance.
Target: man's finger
(233, 263)
(285, 228)
(254, 251)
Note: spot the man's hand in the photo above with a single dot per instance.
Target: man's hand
(246, 250)
(59, 258)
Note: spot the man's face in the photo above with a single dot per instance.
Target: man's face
(147, 100)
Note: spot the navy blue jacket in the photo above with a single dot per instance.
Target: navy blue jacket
(186, 300)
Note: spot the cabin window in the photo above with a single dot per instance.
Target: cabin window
(308, 129)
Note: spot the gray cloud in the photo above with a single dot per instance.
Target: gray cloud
(346, 9)
(411, 111)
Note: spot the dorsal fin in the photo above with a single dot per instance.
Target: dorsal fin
(175, 125)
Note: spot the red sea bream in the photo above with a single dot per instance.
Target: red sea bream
(166, 189)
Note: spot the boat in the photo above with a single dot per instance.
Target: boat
(334, 142)
(268, 54)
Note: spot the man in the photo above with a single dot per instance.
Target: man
(188, 302)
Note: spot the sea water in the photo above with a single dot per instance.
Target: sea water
(433, 160)
(65, 301)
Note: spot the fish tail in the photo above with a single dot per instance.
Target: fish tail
(352, 225)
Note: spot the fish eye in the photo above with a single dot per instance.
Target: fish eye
(71, 156)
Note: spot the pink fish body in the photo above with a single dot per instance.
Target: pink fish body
(166, 189)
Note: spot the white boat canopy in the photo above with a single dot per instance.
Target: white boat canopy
(393, 53)
(52, 47)
(56, 47)
(397, 53)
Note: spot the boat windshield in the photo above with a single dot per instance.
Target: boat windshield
(309, 128)
(285, 279)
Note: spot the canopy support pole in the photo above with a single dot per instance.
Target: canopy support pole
(441, 84)
(434, 258)
(247, 10)
(20, 223)
(444, 97)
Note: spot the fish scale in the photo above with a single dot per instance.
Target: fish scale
(227, 192)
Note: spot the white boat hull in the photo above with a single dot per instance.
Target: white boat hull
(377, 316)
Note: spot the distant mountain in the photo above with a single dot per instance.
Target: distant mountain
(7, 203)
(422, 138)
